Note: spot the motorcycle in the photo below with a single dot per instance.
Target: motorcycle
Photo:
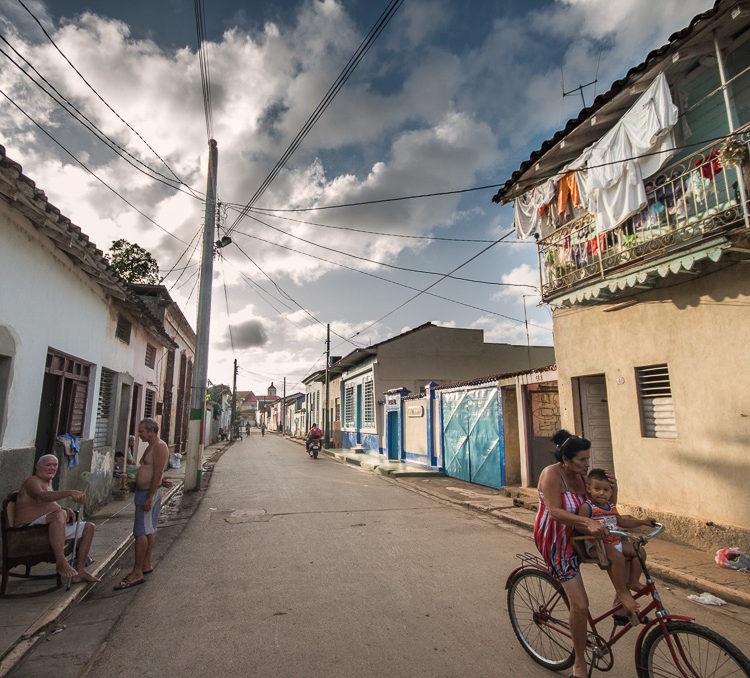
(314, 448)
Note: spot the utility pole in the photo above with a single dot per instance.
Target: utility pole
(283, 410)
(200, 371)
(328, 363)
(234, 401)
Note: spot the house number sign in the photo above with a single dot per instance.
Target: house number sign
(415, 411)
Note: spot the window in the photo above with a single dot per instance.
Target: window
(148, 405)
(69, 379)
(368, 404)
(150, 356)
(104, 408)
(123, 328)
(337, 411)
(655, 398)
(349, 406)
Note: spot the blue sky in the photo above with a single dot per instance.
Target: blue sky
(453, 95)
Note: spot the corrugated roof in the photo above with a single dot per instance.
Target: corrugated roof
(495, 377)
(657, 56)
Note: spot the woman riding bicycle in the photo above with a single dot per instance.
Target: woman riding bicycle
(562, 490)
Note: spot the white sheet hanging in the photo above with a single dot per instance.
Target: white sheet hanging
(526, 209)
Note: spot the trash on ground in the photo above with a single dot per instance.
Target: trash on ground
(733, 559)
(707, 599)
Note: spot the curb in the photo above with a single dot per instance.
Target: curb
(37, 630)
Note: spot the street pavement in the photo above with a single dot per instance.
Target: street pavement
(291, 566)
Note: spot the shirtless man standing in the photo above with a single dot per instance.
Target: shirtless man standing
(37, 505)
(148, 482)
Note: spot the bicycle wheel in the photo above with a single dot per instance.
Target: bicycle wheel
(699, 653)
(538, 609)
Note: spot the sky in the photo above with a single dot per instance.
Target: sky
(452, 95)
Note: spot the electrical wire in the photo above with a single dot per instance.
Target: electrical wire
(296, 303)
(179, 259)
(91, 172)
(333, 90)
(382, 263)
(86, 122)
(200, 25)
(362, 230)
(226, 300)
(99, 96)
(394, 282)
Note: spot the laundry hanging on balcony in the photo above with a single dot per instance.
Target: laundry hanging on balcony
(609, 174)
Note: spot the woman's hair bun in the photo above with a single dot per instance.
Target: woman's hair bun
(560, 437)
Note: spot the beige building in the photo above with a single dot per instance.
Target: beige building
(650, 293)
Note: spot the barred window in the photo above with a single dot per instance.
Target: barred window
(368, 404)
(150, 356)
(104, 408)
(337, 414)
(655, 399)
(148, 405)
(349, 405)
(122, 332)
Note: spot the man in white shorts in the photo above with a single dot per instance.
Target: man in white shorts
(37, 505)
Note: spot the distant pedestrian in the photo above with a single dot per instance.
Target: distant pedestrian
(262, 430)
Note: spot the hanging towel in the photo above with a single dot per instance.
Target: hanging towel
(70, 447)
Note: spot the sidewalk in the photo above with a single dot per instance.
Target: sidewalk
(26, 620)
(668, 559)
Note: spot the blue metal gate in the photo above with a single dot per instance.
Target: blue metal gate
(472, 435)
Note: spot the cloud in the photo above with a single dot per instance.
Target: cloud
(249, 334)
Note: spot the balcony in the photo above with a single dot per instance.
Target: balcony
(689, 203)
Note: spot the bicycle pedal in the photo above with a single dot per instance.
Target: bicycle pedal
(620, 619)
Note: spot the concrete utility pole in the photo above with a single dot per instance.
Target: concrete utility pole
(234, 401)
(283, 410)
(200, 371)
(328, 363)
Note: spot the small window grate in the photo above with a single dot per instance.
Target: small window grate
(656, 404)
(368, 404)
(150, 356)
(124, 326)
(104, 408)
(349, 406)
(148, 406)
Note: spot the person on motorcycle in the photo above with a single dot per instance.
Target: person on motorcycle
(313, 434)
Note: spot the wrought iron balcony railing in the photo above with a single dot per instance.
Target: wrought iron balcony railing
(688, 202)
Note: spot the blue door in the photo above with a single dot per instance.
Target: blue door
(473, 436)
(394, 446)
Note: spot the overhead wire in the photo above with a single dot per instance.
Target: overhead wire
(288, 296)
(90, 171)
(382, 263)
(394, 282)
(74, 112)
(99, 96)
(379, 26)
(179, 259)
(200, 25)
(226, 301)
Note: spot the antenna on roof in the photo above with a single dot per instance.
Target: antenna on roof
(580, 87)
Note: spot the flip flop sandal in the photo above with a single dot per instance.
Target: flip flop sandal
(125, 584)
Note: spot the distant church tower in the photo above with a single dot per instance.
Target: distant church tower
(272, 390)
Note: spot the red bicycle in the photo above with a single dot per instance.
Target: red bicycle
(668, 644)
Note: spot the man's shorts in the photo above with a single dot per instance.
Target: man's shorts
(70, 528)
(144, 523)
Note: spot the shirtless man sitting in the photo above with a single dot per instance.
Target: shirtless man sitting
(148, 483)
(37, 505)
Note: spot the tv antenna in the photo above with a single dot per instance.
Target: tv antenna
(580, 87)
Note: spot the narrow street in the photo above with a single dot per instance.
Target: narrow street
(295, 567)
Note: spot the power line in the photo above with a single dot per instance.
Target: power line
(91, 172)
(333, 90)
(226, 300)
(393, 282)
(179, 259)
(200, 25)
(362, 230)
(288, 296)
(85, 121)
(382, 263)
(96, 93)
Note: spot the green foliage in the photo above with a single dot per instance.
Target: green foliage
(133, 263)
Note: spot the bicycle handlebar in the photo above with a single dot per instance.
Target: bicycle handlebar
(642, 538)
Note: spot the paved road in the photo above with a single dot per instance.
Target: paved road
(295, 567)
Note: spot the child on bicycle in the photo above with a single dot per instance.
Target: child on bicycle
(625, 569)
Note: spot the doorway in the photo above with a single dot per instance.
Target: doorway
(595, 420)
(393, 438)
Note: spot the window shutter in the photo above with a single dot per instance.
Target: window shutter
(104, 408)
(657, 407)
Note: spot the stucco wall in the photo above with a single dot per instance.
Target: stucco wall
(415, 425)
(510, 436)
(699, 327)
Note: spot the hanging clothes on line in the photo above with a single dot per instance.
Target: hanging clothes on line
(528, 209)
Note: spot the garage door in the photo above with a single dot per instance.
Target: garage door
(472, 436)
